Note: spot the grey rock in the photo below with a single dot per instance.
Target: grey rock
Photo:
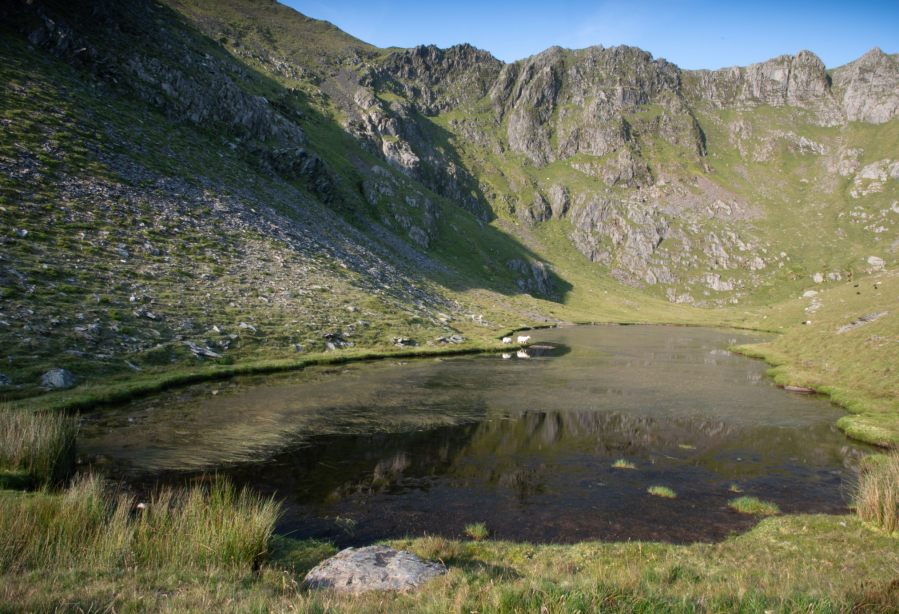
(869, 87)
(559, 200)
(865, 319)
(58, 378)
(198, 350)
(374, 568)
(419, 236)
(537, 211)
(5, 380)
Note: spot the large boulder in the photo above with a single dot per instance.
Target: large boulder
(374, 568)
(58, 378)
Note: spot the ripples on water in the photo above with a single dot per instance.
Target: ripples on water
(525, 445)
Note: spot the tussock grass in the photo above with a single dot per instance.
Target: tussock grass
(476, 531)
(37, 447)
(661, 491)
(752, 505)
(92, 526)
(623, 464)
(877, 493)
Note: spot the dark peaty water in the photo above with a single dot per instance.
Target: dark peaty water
(524, 445)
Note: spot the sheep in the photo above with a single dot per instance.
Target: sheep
(523, 354)
(522, 339)
(507, 340)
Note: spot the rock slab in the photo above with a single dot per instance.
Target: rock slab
(373, 568)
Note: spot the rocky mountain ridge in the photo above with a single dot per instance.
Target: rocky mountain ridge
(443, 175)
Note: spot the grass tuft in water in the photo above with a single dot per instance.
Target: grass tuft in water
(623, 464)
(476, 531)
(36, 448)
(90, 525)
(661, 491)
(877, 492)
(752, 505)
(735, 488)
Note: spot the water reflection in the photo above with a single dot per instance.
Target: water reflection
(548, 477)
(525, 445)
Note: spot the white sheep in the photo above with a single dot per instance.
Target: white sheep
(523, 354)
(507, 340)
(522, 339)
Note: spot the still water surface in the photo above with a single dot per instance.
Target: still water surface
(371, 451)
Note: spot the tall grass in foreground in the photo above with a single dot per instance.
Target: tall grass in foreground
(38, 446)
(877, 493)
(91, 526)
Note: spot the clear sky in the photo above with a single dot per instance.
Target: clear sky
(694, 34)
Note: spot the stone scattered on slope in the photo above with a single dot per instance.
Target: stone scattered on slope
(862, 321)
(198, 350)
(374, 568)
(58, 378)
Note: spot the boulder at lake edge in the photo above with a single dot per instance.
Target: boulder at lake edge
(373, 568)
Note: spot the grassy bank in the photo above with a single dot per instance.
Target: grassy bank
(856, 366)
(91, 548)
(123, 388)
(786, 564)
(35, 449)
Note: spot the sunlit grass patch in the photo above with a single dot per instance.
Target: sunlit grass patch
(92, 525)
(661, 491)
(752, 505)
(735, 488)
(877, 492)
(476, 531)
(623, 464)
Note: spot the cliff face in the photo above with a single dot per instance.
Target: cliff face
(625, 134)
(868, 88)
(666, 179)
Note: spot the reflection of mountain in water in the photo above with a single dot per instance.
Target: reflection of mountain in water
(549, 476)
(493, 451)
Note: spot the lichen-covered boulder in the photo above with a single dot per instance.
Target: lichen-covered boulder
(373, 568)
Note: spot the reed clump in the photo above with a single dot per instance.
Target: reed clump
(477, 531)
(91, 525)
(661, 491)
(754, 505)
(38, 448)
(877, 493)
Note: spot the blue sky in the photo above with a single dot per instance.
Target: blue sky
(696, 34)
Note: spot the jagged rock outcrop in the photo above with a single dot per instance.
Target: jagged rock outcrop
(537, 211)
(559, 200)
(535, 278)
(869, 87)
(799, 80)
(437, 80)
